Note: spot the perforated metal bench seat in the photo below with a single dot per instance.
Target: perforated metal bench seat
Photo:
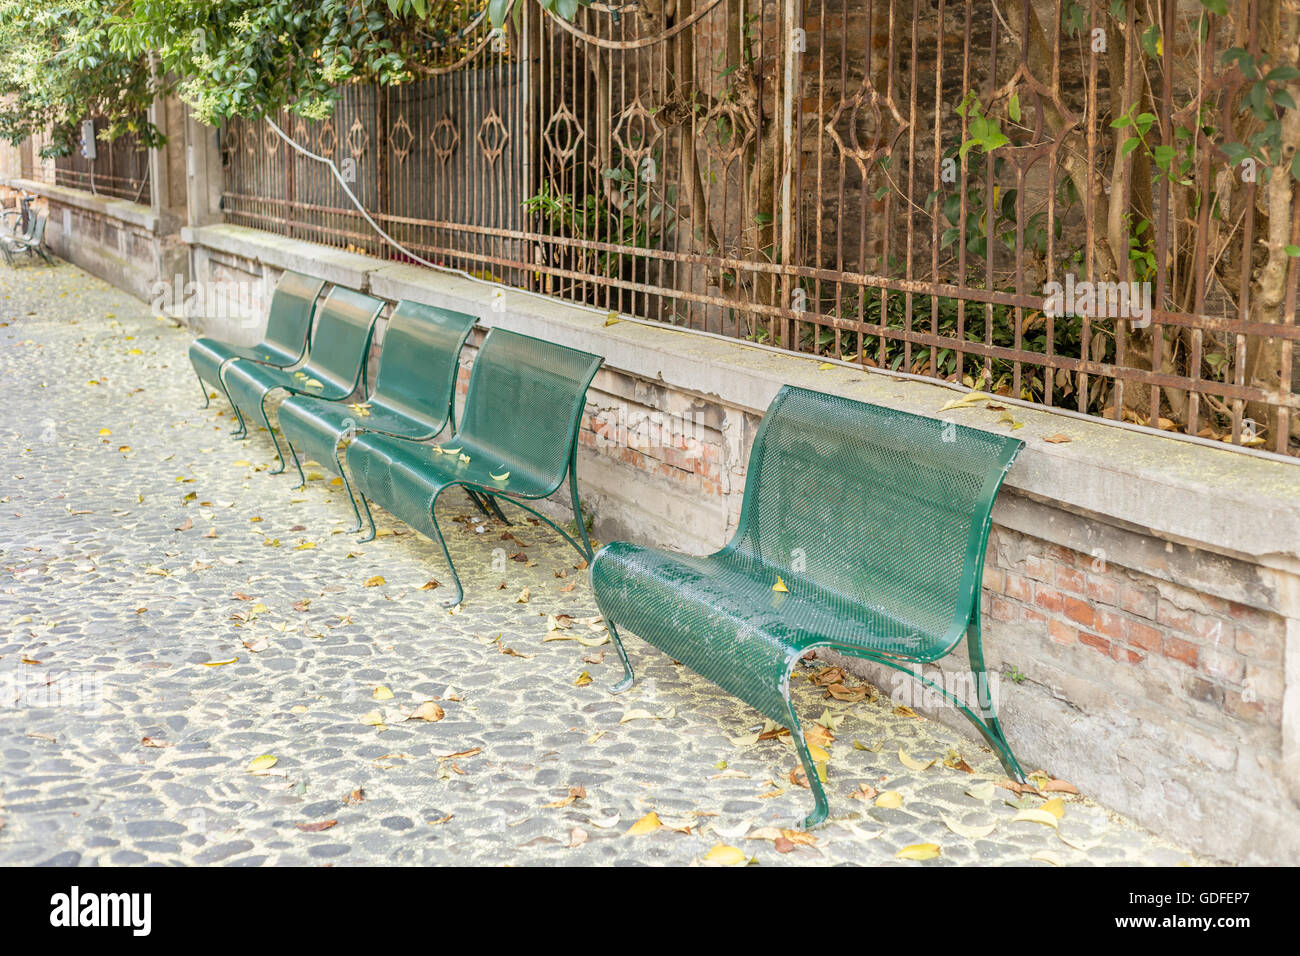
(413, 397)
(334, 368)
(288, 324)
(746, 632)
(516, 441)
(862, 529)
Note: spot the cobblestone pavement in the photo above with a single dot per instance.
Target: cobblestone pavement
(170, 613)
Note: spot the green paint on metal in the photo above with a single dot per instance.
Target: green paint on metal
(288, 324)
(334, 367)
(414, 395)
(517, 441)
(862, 529)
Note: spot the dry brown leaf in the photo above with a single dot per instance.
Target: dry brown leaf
(827, 676)
(429, 711)
(849, 695)
(316, 827)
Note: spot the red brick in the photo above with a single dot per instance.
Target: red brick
(1048, 599)
(1178, 649)
(1248, 616)
(1234, 704)
(1126, 656)
(1139, 601)
(1226, 667)
(1109, 623)
(1063, 555)
(1038, 568)
(1095, 642)
(1018, 586)
(1004, 610)
(992, 579)
(1033, 615)
(1070, 579)
(1061, 632)
(1103, 590)
(1212, 629)
(1175, 617)
(1143, 635)
(1078, 611)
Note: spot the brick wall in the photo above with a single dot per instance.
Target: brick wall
(1194, 654)
(1144, 665)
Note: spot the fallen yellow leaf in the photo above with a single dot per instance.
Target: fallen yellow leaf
(918, 851)
(647, 824)
(723, 855)
(912, 763)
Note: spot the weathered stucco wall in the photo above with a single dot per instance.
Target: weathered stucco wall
(1142, 594)
(122, 242)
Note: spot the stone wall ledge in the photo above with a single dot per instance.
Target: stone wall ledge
(135, 214)
(1178, 490)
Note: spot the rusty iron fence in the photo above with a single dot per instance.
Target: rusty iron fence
(1038, 198)
(120, 169)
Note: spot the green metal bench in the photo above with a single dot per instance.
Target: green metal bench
(414, 395)
(33, 243)
(334, 369)
(862, 529)
(288, 322)
(517, 440)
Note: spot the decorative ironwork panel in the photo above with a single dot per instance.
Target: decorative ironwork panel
(1032, 197)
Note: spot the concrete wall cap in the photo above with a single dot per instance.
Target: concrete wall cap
(134, 213)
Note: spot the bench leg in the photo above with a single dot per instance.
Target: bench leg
(242, 430)
(478, 502)
(628, 675)
(352, 495)
(821, 807)
(442, 543)
(370, 518)
(495, 508)
(204, 387)
(987, 720)
(278, 452)
(302, 479)
(577, 506)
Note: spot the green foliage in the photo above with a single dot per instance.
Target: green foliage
(58, 65)
(627, 214)
(61, 60)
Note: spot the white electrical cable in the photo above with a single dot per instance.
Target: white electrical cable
(498, 288)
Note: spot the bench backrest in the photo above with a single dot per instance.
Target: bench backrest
(524, 403)
(340, 341)
(875, 507)
(38, 231)
(288, 320)
(419, 362)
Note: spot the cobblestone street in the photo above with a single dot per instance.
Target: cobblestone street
(198, 665)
